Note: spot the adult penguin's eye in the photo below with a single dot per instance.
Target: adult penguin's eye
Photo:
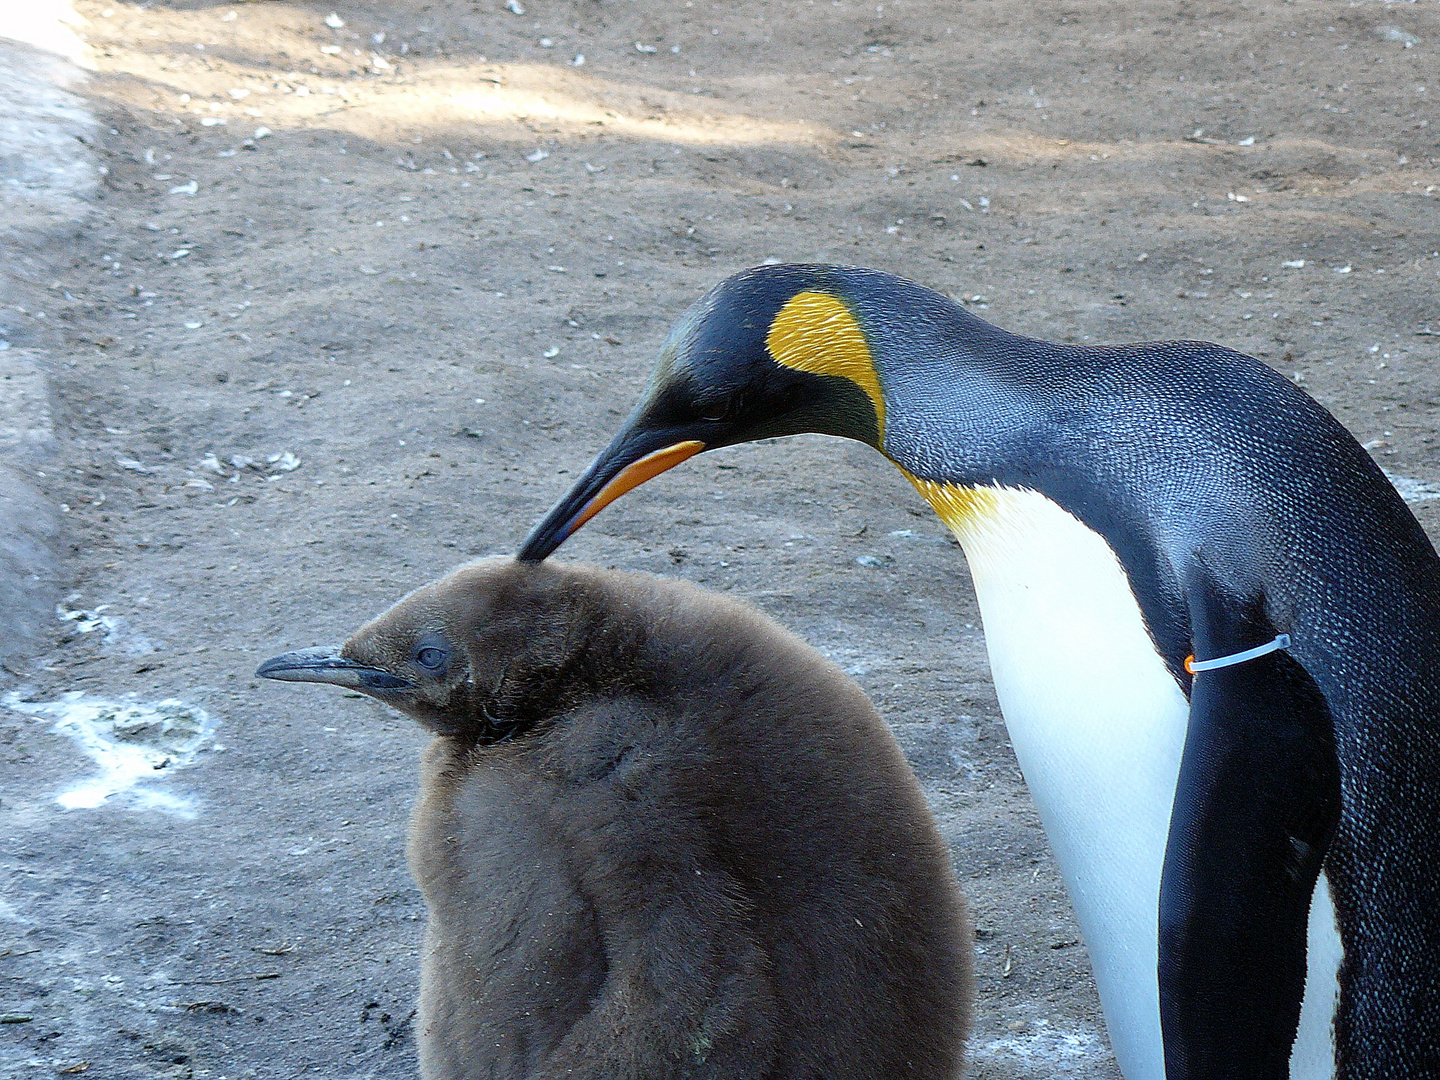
(716, 411)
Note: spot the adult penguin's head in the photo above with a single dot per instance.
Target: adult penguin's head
(771, 351)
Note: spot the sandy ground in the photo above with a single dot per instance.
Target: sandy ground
(355, 302)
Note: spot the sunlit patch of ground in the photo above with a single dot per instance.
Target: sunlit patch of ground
(171, 70)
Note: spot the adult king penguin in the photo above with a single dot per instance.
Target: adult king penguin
(1213, 627)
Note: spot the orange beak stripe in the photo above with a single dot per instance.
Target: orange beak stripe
(635, 474)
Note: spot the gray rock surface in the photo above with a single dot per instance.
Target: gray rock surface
(47, 179)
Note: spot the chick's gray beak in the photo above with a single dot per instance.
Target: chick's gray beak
(326, 665)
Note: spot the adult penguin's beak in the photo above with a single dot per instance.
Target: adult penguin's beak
(634, 456)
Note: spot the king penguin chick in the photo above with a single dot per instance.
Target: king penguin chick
(658, 836)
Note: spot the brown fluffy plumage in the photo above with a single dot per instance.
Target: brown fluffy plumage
(659, 836)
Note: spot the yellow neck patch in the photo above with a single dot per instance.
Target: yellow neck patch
(815, 332)
(963, 509)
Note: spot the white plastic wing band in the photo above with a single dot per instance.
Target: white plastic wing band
(1282, 641)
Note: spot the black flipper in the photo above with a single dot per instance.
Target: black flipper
(1256, 806)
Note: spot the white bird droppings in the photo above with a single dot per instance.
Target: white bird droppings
(132, 742)
(1044, 1052)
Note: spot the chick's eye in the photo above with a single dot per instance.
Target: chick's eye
(430, 657)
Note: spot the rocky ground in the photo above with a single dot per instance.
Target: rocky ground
(360, 293)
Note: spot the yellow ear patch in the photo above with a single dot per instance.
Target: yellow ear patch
(815, 332)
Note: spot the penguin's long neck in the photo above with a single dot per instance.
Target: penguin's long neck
(1097, 723)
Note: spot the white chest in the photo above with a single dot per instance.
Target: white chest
(1098, 725)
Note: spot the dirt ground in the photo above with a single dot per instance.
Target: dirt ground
(425, 251)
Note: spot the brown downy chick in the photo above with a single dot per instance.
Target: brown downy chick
(659, 837)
